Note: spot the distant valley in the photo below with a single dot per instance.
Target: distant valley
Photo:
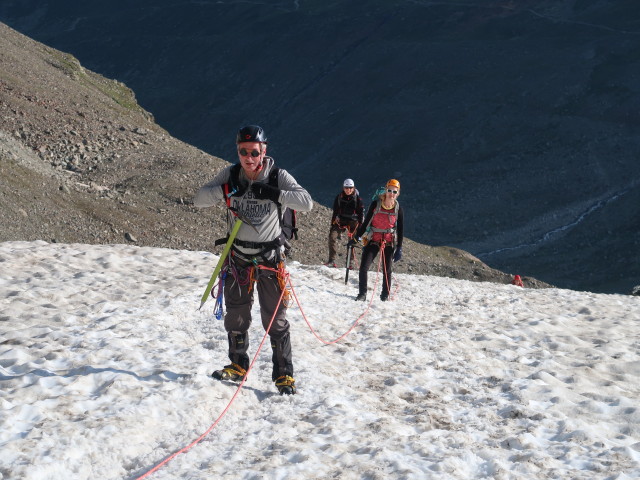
(513, 127)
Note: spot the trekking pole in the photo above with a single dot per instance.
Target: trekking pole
(225, 251)
(349, 253)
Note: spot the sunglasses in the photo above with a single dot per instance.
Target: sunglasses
(245, 153)
(348, 188)
(391, 191)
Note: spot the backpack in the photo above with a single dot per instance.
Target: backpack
(369, 230)
(345, 205)
(286, 215)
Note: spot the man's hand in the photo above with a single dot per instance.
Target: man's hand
(263, 191)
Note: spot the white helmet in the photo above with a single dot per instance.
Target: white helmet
(348, 183)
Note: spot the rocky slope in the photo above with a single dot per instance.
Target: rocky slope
(513, 126)
(80, 161)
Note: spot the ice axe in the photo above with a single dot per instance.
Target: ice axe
(350, 252)
(240, 219)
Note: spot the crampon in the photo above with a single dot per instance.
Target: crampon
(286, 385)
(233, 372)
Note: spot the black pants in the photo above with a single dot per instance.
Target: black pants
(238, 301)
(369, 253)
(335, 233)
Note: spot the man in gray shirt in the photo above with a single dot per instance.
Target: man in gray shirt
(259, 192)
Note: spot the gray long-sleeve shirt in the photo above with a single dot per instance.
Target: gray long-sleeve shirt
(263, 214)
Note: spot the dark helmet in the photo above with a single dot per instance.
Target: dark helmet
(251, 133)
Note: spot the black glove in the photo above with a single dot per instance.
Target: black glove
(263, 191)
(398, 255)
(353, 242)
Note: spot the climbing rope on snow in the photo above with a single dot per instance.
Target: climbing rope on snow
(226, 409)
(330, 342)
(283, 279)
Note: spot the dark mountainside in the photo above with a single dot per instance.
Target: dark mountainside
(513, 126)
(80, 161)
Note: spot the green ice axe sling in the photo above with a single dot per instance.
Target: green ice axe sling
(223, 255)
(240, 219)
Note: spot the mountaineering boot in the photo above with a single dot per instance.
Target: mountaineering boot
(286, 385)
(282, 364)
(237, 369)
(361, 297)
(331, 264)
(233, 372)
(238, 346)
(384, 297)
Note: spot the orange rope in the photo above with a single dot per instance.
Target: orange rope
(326, 342)
(283, 279)
(224, 412)
(252, 279)
(384, 264)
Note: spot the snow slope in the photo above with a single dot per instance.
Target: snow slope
(105, 363)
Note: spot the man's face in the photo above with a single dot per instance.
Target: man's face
(348, 190)
(251, 155)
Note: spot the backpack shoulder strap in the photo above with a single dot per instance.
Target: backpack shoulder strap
(234, 177)
(273, 181)
(375, 211)
(233, 184)
(273, 177)
(378, 207)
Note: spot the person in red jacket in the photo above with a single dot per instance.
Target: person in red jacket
(347, 215)
(383, 225)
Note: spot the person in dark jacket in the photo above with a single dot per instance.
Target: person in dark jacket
(348, 213)
(255, 246)
(382, 228)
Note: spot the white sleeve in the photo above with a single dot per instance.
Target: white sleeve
(212, 193)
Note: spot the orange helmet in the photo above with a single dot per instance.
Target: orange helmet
(393, 183)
